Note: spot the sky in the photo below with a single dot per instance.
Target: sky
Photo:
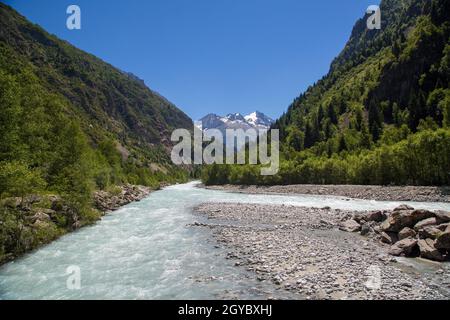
(210, 56)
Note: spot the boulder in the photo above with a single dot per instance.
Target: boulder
(376, 216)
(403, 207)
(350, 226)
(388, 237)
(428, 250)
(41, 216)
(431, 232)
(424, 223)
(365, 229)
(400, 219)
(442, 216)
(443, 240)
(406, 233)
(443, 227)
(13, 203)
(406, 247)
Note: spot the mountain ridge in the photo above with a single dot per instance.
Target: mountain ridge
(255, 120)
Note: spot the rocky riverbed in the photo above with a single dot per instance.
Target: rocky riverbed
(379, 193)
(302, 251)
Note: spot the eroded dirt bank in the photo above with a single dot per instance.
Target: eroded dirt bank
(301, 250)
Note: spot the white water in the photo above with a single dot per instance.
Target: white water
(146, 251)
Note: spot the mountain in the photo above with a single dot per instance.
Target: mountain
(382, 113)
(70, 125)
(107, 103)
(256, 120)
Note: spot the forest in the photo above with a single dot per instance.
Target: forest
(381, 115)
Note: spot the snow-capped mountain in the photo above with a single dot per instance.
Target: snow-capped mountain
(259, 120)
(256, 120)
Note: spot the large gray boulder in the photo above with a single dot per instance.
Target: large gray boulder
(428, 250)
(425, 223)
(350, 226)
(406, 233)
(442, 216)
(376, 216)
(429, 232)
(443, 240)
(406, 247)
(388, 237)
(400, 219)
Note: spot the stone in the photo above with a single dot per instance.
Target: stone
(425, 223)
(431, 232)
(41, 216)
(13, 203)
(403, 207)
(443, 240)
(365, 229)
(400, 219)
(388, 237)
(406, 233)
(406, 247)
(350, 226)
(428, 250)
(442, 216)
(376, 216)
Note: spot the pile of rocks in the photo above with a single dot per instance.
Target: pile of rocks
(410, 232)
(108, 201)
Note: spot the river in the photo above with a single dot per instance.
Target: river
(145, 250)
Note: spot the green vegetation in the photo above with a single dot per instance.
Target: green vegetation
(380, 116)
(70, 124)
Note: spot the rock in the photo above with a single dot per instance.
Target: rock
(407, 247)
(403, 207)
(424, 223)
(406, 233)
(388, 237)
(443, 240)
(350, 226)
(442, 216)
(76, 225)
(41, 216)
(400, 219)
(13, 203)
(443, 226)
(428, 250)
(431, 232)
(365, 229)
(376, 216)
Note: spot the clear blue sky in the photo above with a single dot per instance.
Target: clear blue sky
(206, 56)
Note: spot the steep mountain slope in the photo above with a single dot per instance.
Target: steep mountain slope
(375, 118)
(108, 103)
(388, 76)
(71, 124)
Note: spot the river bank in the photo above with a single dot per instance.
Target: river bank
(301, 250)
(379, 193)
(37, 220)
